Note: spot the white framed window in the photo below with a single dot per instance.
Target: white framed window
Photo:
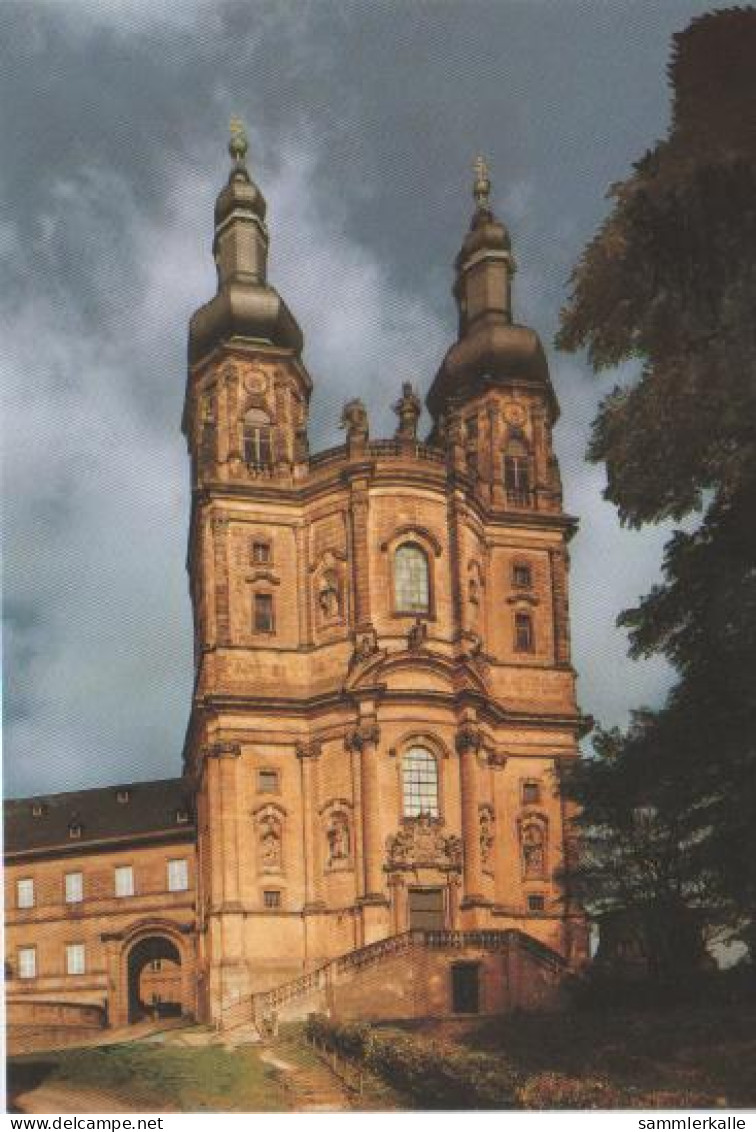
(419, 783)
(257, 439)
(178, 876)
(74, 888)
(25, 893)
(124, 880)
(411, 580)
(76, 963)
(27, 962)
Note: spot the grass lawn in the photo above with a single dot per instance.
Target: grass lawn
(149, 1076)
(705, 1051)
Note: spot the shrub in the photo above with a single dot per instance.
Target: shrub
(437, 1077)
(557, 1090)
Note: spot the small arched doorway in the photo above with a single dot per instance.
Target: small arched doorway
(154, 979)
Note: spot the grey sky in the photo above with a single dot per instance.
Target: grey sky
(363, 121)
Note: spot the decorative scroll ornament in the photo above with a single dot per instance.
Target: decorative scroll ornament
(420, 843)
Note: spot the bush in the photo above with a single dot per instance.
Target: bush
(437, 1077)
(557, 1090)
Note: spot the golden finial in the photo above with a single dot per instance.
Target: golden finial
(238, 144)
(482, 186)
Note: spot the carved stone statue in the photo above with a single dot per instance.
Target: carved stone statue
(486, 835)
(329, 595)
(365, 646)
(354, 419)
(270, 842)
(533, 840)
(338, 838)
(418, 634)
(408, 409)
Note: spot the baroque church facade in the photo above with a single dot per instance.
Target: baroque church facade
(384, 701)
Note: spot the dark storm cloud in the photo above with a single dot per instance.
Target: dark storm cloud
(363, 121)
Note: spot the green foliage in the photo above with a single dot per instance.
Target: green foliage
(433, 1075)
(669, 281)
(189, 1080)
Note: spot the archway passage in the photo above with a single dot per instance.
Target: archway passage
(154, 979)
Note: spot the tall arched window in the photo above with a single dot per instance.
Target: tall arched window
(419, 783)
(411, 580)
(257, 437)
(517, 472)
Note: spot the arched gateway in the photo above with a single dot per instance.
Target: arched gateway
(152, 972)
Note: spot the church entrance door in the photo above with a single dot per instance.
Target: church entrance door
(426, 909)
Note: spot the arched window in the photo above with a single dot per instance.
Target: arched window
(257, 437)
(411, 580)
(419, 783)
(517, 472)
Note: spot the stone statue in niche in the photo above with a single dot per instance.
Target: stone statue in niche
(329, 595)
(486, 835)
(338, 838)
(533, 841)
(270, 842)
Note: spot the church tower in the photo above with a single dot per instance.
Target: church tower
(383, 697)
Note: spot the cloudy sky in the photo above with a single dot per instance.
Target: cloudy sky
(363, 119)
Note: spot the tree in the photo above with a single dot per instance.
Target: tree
(669, 282)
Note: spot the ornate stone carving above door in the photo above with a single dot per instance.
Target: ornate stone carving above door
(421, 842)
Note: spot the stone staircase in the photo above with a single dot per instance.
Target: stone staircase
(399, 964)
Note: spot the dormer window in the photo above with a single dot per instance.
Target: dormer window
(182, 817)
(75, 830)
(37, 810)
(123, 795)
(257, 438)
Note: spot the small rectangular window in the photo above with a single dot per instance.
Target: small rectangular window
(522, 576)
(531, 793)
(261, 555)
(178, 876)
(25, 893)
(267, 781)
(524, 638)
(156, 965)
(75, 959)
(27, 962)
(124, 880)
(263, 613)
(536, 903)
(74, 888)
(272, 898)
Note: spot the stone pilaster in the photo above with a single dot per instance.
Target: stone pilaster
(358, 513)
(309, 755)
(364, 738)
(468, 744)
(560, 604)
(220, 573)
